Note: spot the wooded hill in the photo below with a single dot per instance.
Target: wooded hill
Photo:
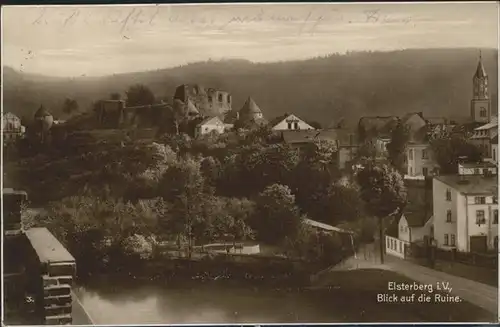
(437, 82)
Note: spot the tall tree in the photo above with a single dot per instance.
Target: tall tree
(277, 216)
(115, 96)
(139, 95)
(384, 193)
(450, 150)
(182, 185)
(396, 148)
(180, 113)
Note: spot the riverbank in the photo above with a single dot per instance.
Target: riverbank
(350, 297)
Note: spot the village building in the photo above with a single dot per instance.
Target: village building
(250, 114)
(465, 210)
(483, 137)
(481, 168)
(289, 122)
(210, 125)
(208, 101)
(12, 129)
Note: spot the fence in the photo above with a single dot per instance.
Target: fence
(396, 247)
(420, 252)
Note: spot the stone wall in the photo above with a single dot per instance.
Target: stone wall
(208, 101)
(38, 270)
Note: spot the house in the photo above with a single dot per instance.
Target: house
(289, 122)
(209, 125)
(483, 137)
(415, 225)
(208, 101)
(465, 212)
(420, 160)
(481, 168)
(376, 127)
(12, 129)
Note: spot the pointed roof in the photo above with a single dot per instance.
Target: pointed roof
(212, 120)
(42, 112)
(480, 71)
(191, 108)
(250, 107)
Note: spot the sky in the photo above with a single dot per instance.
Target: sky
(103, 40)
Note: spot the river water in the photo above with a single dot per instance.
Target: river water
(135, 302)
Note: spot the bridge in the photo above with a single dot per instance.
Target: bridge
(39, 273)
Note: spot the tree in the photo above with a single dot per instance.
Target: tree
(277, 216)
(450, 150)
(384, 194)
(315, 124)
(70, 106)
(396, 148)
(182, 185)
(139, 95)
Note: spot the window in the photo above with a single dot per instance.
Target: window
(445, 239)
(480, 219)
(388, 243)
(452, 241)
(425, 171)
(424, 154)
(220, 97)
(411, 171)
(480, 200)
(495, 199)
(482, 112)
(495, 216)
(494, 154)
(401, 229)
(210, 98)
(448, 195)
(410, 154)
(477, 171)
(228, 99)
(295, 125)
(448, 216)
(289, 125)
(400, 246)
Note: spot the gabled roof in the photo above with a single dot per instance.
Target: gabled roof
(250, 107)
(287, 117)
(416, 219)
(406, 117)
(211, 120)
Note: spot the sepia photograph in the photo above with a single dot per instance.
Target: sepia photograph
(250, 163)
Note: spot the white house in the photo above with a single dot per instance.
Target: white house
(465, 212)
(209, 125)
(420, 160)
(11, 127)
(291, 122)
(413, 227)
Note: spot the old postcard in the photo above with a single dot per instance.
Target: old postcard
(250, 163)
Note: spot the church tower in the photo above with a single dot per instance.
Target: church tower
(480, 104)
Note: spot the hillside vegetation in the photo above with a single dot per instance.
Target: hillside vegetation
(437, 82)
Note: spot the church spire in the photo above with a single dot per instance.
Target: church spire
(480, 71)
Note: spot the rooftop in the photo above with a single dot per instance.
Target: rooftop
(484, 164)
(416, 218)
(492, 124)
(324, 226)
(308, 136)
(471, 184)
(250, 107)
